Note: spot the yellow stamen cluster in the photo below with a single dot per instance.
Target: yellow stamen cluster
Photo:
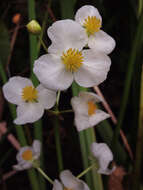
(29, 94)
(27, 155)
(72, 59)
(91, 108)
(92, 25)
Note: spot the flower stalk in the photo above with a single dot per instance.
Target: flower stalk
(44, 175)
(43, 44)
(87, 170)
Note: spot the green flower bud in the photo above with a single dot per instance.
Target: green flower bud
(34, 27)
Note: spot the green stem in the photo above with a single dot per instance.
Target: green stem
(96, 177)
(84, 153)
(86, 170)
(82, 139)
(65, 111)
(43, 30)
(67, 8)
(45, 175)
(58, 144)
(32, 40)
(33, 43)
(140, 6)
(43, 44)
(33, 179)
(57, 135)
(59, 112)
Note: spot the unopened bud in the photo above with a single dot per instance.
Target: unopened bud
(34, 27)
(16, 18)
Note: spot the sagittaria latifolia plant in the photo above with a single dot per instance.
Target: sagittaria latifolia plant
(78, 53)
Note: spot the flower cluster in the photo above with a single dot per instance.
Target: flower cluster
(28, 157)
(78, 52)
(68, 60)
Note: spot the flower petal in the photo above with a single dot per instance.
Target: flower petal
(101, 150)
(86, 11)
(82, 122)
(36, 146)
(101, 42)
(28, 113)
(89, 96)
(63, 35)
(23, 166)
(94, 69)
(104, 156)
(17, 167)
(98, 117)
(46, 97)
(13, 89)
(51, 72)
(106, 171)
(85, 186)
(70, 181)
(79, 106)
(57, 185)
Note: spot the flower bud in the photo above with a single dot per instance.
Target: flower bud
(16, 18)
(34, 27)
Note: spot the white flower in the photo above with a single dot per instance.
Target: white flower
(66, 62)
(86, 112)
(31, 101)
(69, 182)
(27, 155)
(66, 34)
(104, 156)
(89, 17)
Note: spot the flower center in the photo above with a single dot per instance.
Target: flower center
(92, 25)
(65, 188)
(72, 59)
(27, 155)
(29, 94)
(91, 108)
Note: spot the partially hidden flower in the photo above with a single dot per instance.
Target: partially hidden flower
(69, 182)
(28, 156)
(67, 62)
(30, 101)
(104, 156)
(86, 112)
(88, 16)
